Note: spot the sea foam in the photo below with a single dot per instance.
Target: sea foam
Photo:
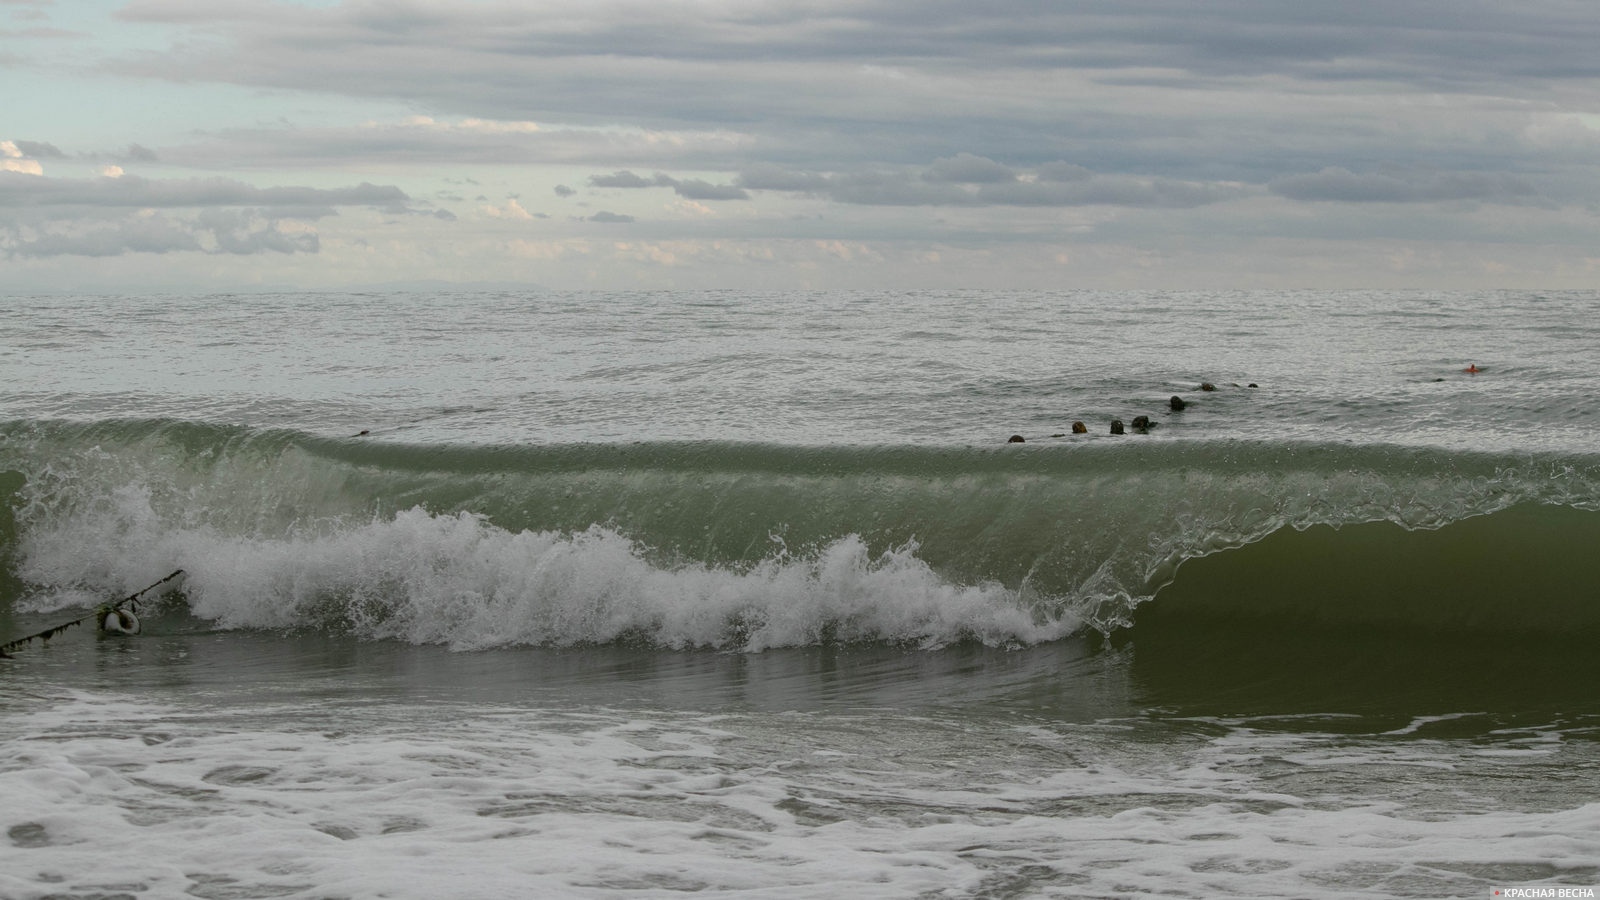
(459, 580)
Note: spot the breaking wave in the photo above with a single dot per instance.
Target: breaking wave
(756, 546)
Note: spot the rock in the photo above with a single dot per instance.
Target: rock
(1016, 439)
(1252, 384)
(1116, 426)
(1176, 403)
(1142, 423)
(1207, 386)
(1079, 428)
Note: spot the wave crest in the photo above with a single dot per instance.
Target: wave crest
(699, 545)
(458, 580)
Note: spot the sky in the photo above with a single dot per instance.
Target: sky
(214, 145)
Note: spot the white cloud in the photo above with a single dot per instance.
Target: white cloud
(489, 126)
(511, 210)
(12, 160)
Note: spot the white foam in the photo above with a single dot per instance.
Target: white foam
(462, 581)
(108, 793)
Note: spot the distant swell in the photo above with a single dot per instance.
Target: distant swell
(753, 546)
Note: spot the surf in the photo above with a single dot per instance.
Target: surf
(752, 546)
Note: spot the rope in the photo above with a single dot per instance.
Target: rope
(132, 601)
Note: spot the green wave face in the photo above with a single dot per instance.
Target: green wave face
(1521, 571)
(715, 544)
(1495, 615)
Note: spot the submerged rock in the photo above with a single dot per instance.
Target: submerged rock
(1016, 439)
(1079, 428)
(1176, 403)
(1116, 426)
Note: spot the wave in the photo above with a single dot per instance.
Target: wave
(1523, 570)
(1495, 614)
(739, 545)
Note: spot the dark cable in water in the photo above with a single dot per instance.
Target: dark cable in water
(101, 613)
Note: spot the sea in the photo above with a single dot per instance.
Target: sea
(659, 594)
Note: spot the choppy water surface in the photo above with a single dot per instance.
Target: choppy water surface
(825, 368)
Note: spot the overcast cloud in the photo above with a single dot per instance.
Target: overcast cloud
(626, 143)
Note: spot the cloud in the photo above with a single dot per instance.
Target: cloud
(1118, 190)
(691, 253)
(21, 166)
(12, 160)
(965, 168)
(824, 85)
(1415, 40)
(512, 210)
(695, 189)
(549, 251)
(214, 231)
(691, 189)
(896, 189)
(443, 215)
(35, 149)
(134, 191)
(474, 125)
(948, 127)
(974, 181)
(139, 236)
(771, 177)
(118, 213)
(1342, 185)
(243, 233)
(421, 141)
(964, 180)
(1063, 171)
(623, 180)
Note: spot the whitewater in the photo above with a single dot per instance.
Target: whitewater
(595, 595)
